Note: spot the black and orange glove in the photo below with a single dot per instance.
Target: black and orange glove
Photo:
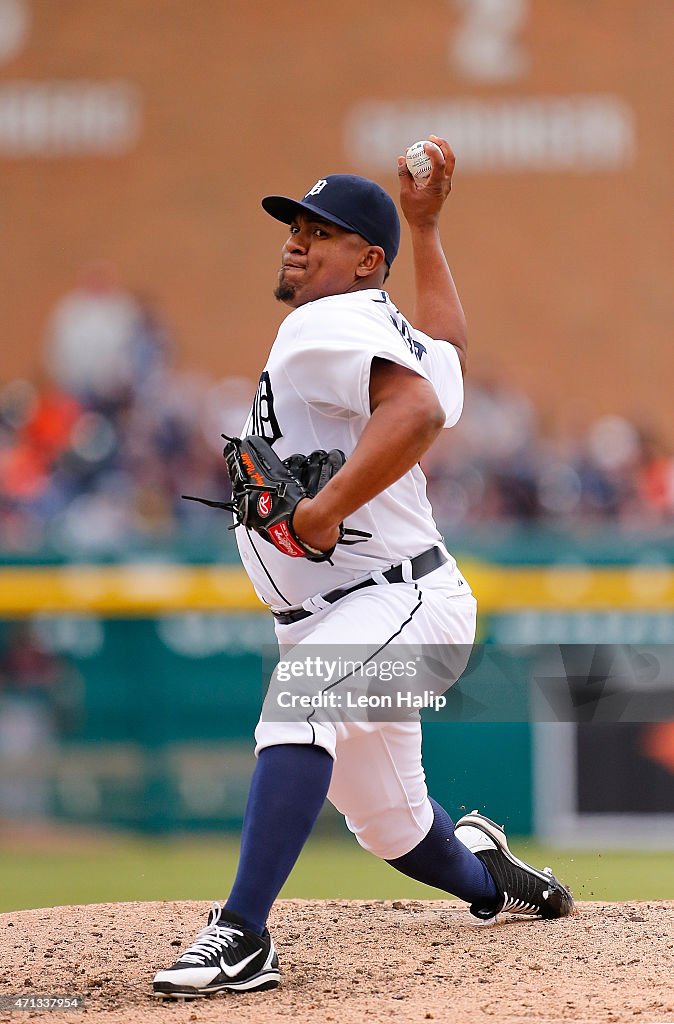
(266, 491)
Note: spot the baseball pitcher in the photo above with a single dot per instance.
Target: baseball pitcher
(337, 535)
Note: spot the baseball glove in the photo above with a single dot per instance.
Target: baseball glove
(266, 491)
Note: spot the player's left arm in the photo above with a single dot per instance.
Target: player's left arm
(438, 311)
(406, 417)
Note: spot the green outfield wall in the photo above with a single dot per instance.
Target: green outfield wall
(138, 706)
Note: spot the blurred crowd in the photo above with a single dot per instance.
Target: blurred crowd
(500, 464)
(97, 448)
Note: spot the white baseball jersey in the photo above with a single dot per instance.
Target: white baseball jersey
(314, 393)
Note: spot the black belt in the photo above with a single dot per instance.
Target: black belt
(421, 565)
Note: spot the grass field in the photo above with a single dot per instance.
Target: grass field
(127, 869)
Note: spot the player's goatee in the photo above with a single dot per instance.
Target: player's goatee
(284, 291)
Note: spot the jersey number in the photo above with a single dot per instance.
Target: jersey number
(262, 418)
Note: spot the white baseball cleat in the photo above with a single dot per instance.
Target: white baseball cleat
(224, 955)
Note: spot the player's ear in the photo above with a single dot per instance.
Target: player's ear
(371, 260)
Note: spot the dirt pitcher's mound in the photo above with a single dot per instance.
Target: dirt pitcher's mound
(356, 961)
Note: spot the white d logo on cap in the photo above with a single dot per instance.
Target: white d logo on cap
(318, 187)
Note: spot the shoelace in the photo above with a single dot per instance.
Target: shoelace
(211, 939)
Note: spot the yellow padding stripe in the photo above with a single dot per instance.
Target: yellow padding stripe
(118, 590)
(148, 588)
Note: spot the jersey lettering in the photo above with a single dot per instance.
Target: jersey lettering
(262, 418)
(402, 327)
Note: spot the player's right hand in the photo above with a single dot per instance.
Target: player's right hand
(422, 203)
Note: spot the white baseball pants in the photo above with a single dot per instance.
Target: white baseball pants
(378, 780)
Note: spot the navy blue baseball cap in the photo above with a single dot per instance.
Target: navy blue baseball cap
(354, 203)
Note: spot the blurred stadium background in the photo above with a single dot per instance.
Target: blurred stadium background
(136, 270)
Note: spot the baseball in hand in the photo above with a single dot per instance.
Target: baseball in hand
(418, 161)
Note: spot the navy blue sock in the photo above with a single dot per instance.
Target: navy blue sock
(443, 861)
(288, 789)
